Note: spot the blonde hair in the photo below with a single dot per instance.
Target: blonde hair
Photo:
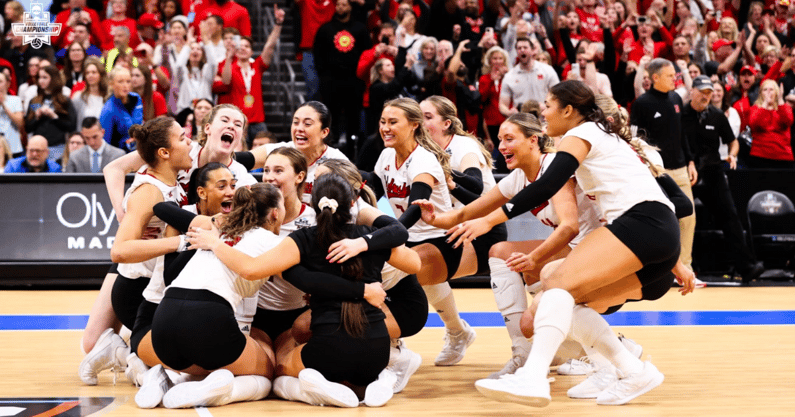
(734, 32)
(448, 111)
(487, 58)
(610, 109)
(347, 170)
(411, 109)
(529, 126)
(201, 137)
(760, 99)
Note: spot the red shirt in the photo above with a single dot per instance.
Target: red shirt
(490, 97)
(771, 132)
(314, 13)
(637, 51)
(236, 90)
(107, 30)
(366, 62)
(65, 37)
(160, 103)
(589, 26)
(234, 15)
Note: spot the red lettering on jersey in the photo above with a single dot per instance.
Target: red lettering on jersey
(386, 168)
(232, 242)
(394, 191)
(539, 208)
(591, 197)
(540, 76)
(308, 188)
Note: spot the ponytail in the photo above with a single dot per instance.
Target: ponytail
(251, 207)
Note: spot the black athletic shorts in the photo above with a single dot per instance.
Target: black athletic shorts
(483, 244)
(143, 323)
(196, 327)
(126, 296)
(409, 305)
(341, 357)
(114, 268)
(651, 292)
(451, 256)
(651, 231)
(275, 322)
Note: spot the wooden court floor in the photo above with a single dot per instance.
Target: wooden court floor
(713, 366)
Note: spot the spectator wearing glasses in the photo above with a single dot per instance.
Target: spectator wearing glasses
(36, 158)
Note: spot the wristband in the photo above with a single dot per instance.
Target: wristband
(183, 243)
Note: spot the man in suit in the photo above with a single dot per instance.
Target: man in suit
(97, 153)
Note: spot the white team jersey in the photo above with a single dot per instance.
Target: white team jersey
(157, 287)
(396, 181)
(329, 153)
(278, 294)
(458, 148)
(240, 173)
(206, 272)
(155, 227)
(613, 174)
(589, 219)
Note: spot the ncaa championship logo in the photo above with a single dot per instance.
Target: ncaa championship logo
(36, 28)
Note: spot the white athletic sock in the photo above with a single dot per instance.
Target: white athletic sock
(591, 330)
(596, 358)
(552, 323)
(440, 296)
(509, 294)
(249, 388)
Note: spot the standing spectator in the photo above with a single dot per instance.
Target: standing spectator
(50, 113)
(148, 25)
(527, 80)
(314, 13)
(74, 142)
(233, 14)
(119, 18)
(122, 110)
(73, 64)
(338, 46)
(33, 89)
(81, 35)
(770, 121)
(121, 45)
(646, 44)
(590, 27)
(445, 16)
(36, 158)
(708, 127)
(192, 77)
(385, 48)
(174, 42)
(721, 101)
(495, 66)
(96, 154)
(658, 113)
(744, 94)
(194, 118)
(31, 78)
(386, 83)
(14, 12)
(78, 12)
(241, 78)
(170, 8)
(88, 96)
(427, 57)
(211, 33)
(154, 103)
(12, 120)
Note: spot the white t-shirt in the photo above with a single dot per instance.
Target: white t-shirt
(458, 148)
(613, 174)
(521, 85)
(329, 153)
(589, 216)
(155, 226)
(206, 272)
(278, 294)
(396, 181)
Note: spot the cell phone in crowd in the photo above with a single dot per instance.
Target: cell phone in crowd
(237, 41)
(642, 19)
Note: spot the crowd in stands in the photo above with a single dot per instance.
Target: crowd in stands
(124, 63)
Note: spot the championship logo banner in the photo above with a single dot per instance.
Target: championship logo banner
(36, 28)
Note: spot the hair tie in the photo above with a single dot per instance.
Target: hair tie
(330, 203)
(363, 184)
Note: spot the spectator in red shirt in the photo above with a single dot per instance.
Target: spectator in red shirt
(386, 48)
(495, 66)
(590, 27)
(78, 12)
(645, 45)
(148, 25)
(770, 121)
(234, 15)
(119, 18)
(241, 79)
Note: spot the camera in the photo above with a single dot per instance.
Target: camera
(237, 41)
(77, 10)
(385, 39)
(642, 19)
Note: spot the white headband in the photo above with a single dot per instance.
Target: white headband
(328, 202)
